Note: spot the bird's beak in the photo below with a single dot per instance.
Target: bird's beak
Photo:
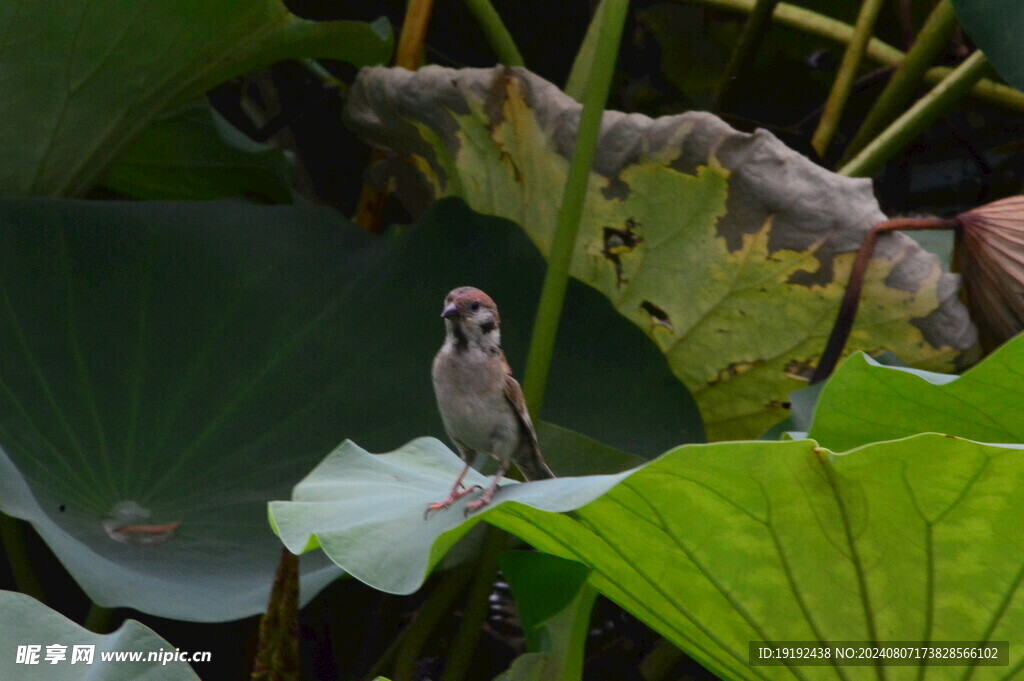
(451, 312)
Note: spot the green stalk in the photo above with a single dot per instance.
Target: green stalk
(831, 29)
(497, 35)
(746, 49)
(475, 613)
(574, 655)
(657, 664)
(98, 619)
(12, 539)
(918, 118)
(932, 39)
(843, 84)
(545, 328)
(430, 613)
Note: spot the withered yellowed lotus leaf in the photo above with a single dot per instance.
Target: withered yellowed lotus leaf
(990, 250)
(730, 250)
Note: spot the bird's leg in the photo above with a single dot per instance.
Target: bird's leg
(488, 494)
(459, 490)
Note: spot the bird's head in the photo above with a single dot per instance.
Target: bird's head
(471, 314)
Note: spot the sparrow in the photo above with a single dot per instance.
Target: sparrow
(481, 405)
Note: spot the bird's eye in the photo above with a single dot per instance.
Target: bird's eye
(474, 306)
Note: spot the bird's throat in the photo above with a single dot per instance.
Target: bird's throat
(461, 343)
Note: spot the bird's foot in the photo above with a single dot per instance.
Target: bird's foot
(484, 499)
(457, 493)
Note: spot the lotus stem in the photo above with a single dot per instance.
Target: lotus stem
(746, 49)
(497, 34)
(877, 50)
(475, 613)
(369, 213)
(930, 41)
(430, 613)
(409, 53)
(843, 85)
(851, 298)
(556, 279)
(942, 98)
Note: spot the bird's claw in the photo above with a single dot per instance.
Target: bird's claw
(436, 506)
(479, 503)
(454, 496)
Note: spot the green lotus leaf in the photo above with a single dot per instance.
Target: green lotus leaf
(194, 154)
(82, 79)
(168, 368)
(25, 621)
(718, 545)
(996, 28)
(729, 250)
(866, 402)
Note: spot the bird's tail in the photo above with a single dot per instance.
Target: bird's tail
(531, 463)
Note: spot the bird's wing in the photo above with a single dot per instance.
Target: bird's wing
(527, 456)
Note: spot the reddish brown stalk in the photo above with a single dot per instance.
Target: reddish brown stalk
(851, 299)
(277, 656)
(150, 529)
(409, 54)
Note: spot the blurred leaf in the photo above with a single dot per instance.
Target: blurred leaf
(543, 586)
(691, 58)
(528, 667)
(996, 26)
(582, 65)
(25, 621)
(193, 153)
(729, 250)
(83, 79)
(801, 413)
(866, 402)
(553, 601)
(718, 545)
(187, 362)
(572, 453)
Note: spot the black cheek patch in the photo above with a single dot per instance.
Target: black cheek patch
(487, 327)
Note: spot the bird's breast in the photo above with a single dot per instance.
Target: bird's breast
(470, 390)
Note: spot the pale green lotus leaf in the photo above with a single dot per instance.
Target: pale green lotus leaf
(25, 622)
(718, 545)
(729, 250)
